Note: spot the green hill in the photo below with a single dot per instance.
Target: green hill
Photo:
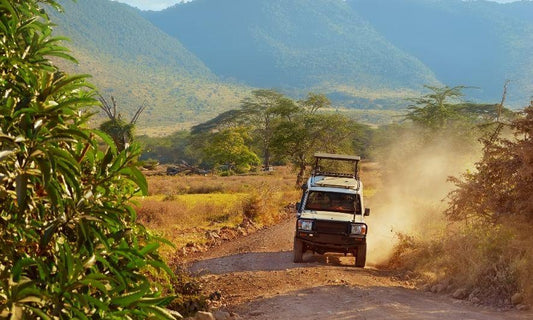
(296, 45)
(194, 60)
(474, 43)
(137, 63)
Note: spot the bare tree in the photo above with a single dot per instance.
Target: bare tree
(120, 131)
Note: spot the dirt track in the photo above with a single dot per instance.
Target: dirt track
(258, 280)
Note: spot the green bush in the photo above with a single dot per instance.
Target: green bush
(70, 246)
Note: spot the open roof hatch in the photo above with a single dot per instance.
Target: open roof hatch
(336, 165)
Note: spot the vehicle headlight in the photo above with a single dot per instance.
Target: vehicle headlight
(358, 228)
(305, 225)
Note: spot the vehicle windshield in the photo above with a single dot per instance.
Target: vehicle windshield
(332, 201)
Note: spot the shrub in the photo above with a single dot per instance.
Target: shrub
(491, 262)
(70, 246)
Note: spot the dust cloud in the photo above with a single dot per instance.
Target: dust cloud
(412, 193)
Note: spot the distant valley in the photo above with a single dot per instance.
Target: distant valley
(195, 60)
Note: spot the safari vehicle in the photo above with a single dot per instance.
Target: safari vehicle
(330, 214)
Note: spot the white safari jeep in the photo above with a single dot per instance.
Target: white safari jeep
(331, 214)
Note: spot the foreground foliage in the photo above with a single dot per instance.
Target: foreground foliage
(70, 246)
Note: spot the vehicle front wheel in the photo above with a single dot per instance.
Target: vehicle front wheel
(360, 256)
(298, 250)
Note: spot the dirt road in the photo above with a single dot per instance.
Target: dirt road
(258, 280)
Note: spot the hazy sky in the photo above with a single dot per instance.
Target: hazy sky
(150, 4)
(162, 4)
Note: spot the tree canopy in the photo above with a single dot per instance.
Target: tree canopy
(279, 128)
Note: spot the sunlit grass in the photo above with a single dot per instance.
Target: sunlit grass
(183, 209)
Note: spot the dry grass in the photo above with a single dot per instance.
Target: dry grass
(183, 209)
(185, 218)
(282, 178)
(492, 262)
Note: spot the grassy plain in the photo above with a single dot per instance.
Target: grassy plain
(185, 209)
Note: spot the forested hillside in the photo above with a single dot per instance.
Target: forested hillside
(294, 45)
(474, 43)
(137, 63)
(197, 59)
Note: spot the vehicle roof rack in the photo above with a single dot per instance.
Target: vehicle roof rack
(317, 170)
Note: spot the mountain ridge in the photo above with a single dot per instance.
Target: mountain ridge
(293, 44)
(197, 59)
(475, 43)
(137, 63)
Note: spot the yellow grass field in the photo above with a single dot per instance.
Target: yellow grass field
(183, 209)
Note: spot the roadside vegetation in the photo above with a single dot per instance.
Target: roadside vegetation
(476, 244)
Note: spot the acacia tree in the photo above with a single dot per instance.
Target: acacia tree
(443, 109)
(229, 147)
(437, 109)
(305, 131)
(261, 112)
(70, 246)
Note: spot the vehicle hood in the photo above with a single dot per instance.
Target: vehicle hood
(330, 216)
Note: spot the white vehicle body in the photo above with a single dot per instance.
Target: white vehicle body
(331, 213)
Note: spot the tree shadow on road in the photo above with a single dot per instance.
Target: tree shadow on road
(267, 261)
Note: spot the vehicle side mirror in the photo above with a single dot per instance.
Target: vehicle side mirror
(367, 212)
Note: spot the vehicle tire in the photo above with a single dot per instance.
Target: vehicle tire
(298, 250)
(360, 256)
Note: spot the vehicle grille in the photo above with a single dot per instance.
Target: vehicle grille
(332, 227)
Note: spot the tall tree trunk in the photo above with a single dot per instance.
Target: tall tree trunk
(267, 158)
(300, 176)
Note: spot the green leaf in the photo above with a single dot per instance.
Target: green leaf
(128, 299)
(48, 233)
(161, 313)
(102, 306)
(136, 176)
(94, 283)
(159, 301)
(107, 140)
(16, 272)
(160, 265)
(39, 313)
(151, 247)
(79, 313)
(33, 299)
